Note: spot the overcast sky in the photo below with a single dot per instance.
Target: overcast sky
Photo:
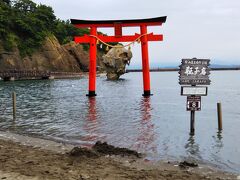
(194, 28)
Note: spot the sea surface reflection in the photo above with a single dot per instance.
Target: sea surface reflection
(146, 137)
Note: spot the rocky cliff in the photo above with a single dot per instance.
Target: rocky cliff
(50, 57)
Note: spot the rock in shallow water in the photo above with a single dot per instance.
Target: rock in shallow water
(115, 62)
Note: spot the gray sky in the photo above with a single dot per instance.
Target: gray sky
(194, 28)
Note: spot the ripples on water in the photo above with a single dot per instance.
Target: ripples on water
(158, 126)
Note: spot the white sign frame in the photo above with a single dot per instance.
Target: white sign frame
(194, 90)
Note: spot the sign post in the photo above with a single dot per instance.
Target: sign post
(193, 104)
(194, 72)
(192, 123)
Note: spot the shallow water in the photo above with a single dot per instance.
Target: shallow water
(158, 126)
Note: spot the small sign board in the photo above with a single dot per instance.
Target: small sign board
(194, 72)
(194, 90)
(194, 103)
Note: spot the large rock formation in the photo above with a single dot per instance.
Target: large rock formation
(65, 58)
(115, 62)
(50, 57)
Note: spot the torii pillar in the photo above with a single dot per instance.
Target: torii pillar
(117, 25)
(145, 62)
(92, 63)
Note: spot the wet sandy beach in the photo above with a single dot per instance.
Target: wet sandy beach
(26, 158)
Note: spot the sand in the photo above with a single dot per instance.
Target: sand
(26, 158)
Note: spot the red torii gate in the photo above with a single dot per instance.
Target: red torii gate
(118, 24)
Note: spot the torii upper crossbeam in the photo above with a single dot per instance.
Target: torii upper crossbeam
(118, 37)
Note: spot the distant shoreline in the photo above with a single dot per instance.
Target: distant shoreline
(177, 69)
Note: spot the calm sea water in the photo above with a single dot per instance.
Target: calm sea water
(157, 126)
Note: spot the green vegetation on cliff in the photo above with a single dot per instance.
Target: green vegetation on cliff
(26, 25)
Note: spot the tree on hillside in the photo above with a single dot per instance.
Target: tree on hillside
(8, 2)
(5, 19)
(26, 25)
(65, 31)
(45, 14)
(25, 6)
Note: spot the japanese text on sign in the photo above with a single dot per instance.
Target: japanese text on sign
(189, 71)
(194, 71)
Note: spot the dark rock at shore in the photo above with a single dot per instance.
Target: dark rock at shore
(186, 164)
(78, 151)
(107, 149)
(102, 149)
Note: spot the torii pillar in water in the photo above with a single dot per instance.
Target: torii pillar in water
(118, 37)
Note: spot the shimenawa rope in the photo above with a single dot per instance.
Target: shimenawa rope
(119, 46)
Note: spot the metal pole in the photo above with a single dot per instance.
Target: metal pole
(219, 112)
(14, 104)
(192, 123)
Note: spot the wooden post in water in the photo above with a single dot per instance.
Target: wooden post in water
(14, 104)
(219, 112)
(192, 123)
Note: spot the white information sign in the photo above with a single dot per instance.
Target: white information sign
(190, 90)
